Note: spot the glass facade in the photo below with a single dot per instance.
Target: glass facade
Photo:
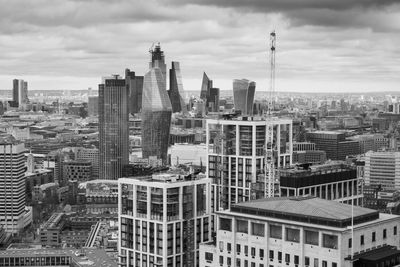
(156, 116)
(243, 96)
(176, 92)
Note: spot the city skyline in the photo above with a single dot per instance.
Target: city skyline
(321, 46)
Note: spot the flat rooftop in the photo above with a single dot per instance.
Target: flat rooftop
(91, 257)
(307, 209)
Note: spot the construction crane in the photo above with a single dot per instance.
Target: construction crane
(269, 167)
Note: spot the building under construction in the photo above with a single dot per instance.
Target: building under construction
(237, 155)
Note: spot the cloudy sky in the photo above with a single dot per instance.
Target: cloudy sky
(322, 45)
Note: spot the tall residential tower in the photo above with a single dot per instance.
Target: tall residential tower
(113, 127)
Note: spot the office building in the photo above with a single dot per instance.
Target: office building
(303, 146)
(163, 219)
(243, 96)
(158, 61)
(332, 181)
(135, 88)
(304, 231)
(382, 168)
(176, 93)
(156, 116)
(77, 170)
(13, 214)
(91, 155)
(209, 94)
(20, 92)
(93, 105)
(113, 127)
(236, 154)
(334, 144)
(309, 156)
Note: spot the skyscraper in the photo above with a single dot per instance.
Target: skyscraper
(158, 61)
(20, 92)
(209, 94)
(243, 95)
(113, 127)
(135, 89)
(176, 89)
(13, 216)
(156, 116)
(206, 85)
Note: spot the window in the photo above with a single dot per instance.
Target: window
(229, 261)
(362, 240)
(257, 229)
(237, 262)
(261, 253)
(221, 260)
(221, 245)
(334, 264)
(287, 258)
(311, 237)
(395, 230)
(209, 257)
(324, 264)
(275, 231)
(253, 252)
(350, 242)
(330, 241)
(373, 236)
(225, 224)
(271, 254)
(242, 226)
(306, 261)
(292, 235)
(316, 263)
(296, 259)
(279, 256)
(238, 249)
(246, 250)
(384, 233)
(228, 247)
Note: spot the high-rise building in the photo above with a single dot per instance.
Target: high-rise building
(206, 85)
(20, 92)
(93, 105)
(156, 116)
(77, 170)
(209, 94)
(158, 61)
(13, 215)
(113, 127)
(382, 169)
(135, 88)
(236, 156)
(163, 219)
(176, 93)
(243, 95)
(302, 231)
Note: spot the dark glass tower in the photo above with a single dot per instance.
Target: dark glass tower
(176, 89)
(113, 127)
(156, 116)
(135, 90)
(209, 94)
(243, 96)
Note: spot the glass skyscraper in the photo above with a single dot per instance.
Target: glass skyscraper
(243, 95)
(158, 61)
(113, 127)
(176, 89)
(135, 90)
(156, 116)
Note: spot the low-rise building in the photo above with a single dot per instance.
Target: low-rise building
(305, 231)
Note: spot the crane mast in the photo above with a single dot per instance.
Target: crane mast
(269, 167)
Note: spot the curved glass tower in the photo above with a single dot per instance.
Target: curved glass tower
(176, 89)
(156, 116)
(243, 95)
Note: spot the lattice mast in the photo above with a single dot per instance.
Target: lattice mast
(269, 127)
